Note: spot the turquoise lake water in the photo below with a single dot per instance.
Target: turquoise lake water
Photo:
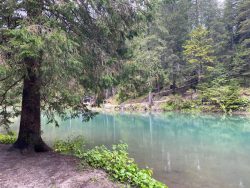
(184, 151)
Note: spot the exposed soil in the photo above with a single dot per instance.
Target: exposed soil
(47, 170)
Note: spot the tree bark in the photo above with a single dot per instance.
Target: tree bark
(150, 99)
(200, 72)
(29, 137)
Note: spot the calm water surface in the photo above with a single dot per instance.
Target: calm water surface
(185, 151)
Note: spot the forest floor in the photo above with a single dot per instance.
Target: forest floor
(48, 170)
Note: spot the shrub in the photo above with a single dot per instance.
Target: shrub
(174, 103)
(7, 138)
(226, 98)
(115, 162)
(71, 146)
(213, 99)
(177, 103)
(120, 167)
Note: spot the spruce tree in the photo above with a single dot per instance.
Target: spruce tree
(45, 48)
(242, 59)
(198, 51)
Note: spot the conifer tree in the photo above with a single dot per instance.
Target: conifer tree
(199, 52)
(45, 48)
(242, 59)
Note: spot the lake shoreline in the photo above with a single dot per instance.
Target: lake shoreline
(131, 109)
(189, 102)
(172, 144)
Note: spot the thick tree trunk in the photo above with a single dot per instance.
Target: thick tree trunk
(29, 137)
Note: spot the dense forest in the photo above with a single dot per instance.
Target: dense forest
(196, 44)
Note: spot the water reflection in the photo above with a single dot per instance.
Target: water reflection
(185, 151)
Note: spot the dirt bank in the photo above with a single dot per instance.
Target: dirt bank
(47, 170)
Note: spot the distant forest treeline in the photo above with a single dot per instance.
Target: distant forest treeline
(181, 40)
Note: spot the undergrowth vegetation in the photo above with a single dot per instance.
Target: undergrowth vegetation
(71, 147)
(177, 103)
(9, 138)
(120, 167)
(115, 162)
(226, 99)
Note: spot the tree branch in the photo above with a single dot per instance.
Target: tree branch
(9, 88)
(3, 79)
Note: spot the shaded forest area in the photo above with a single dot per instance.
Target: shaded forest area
(197, 44)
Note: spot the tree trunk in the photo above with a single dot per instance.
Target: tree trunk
(200, 72)
(29, 137)
(150, 99)
(197, 13)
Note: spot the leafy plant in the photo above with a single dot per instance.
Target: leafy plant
(226, 98)
(177, 103)
(7, 138)
(115, 162)
(71, 146)
(120, 167)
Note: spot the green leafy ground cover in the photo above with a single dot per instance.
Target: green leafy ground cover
(115, 162)
(7, 138)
